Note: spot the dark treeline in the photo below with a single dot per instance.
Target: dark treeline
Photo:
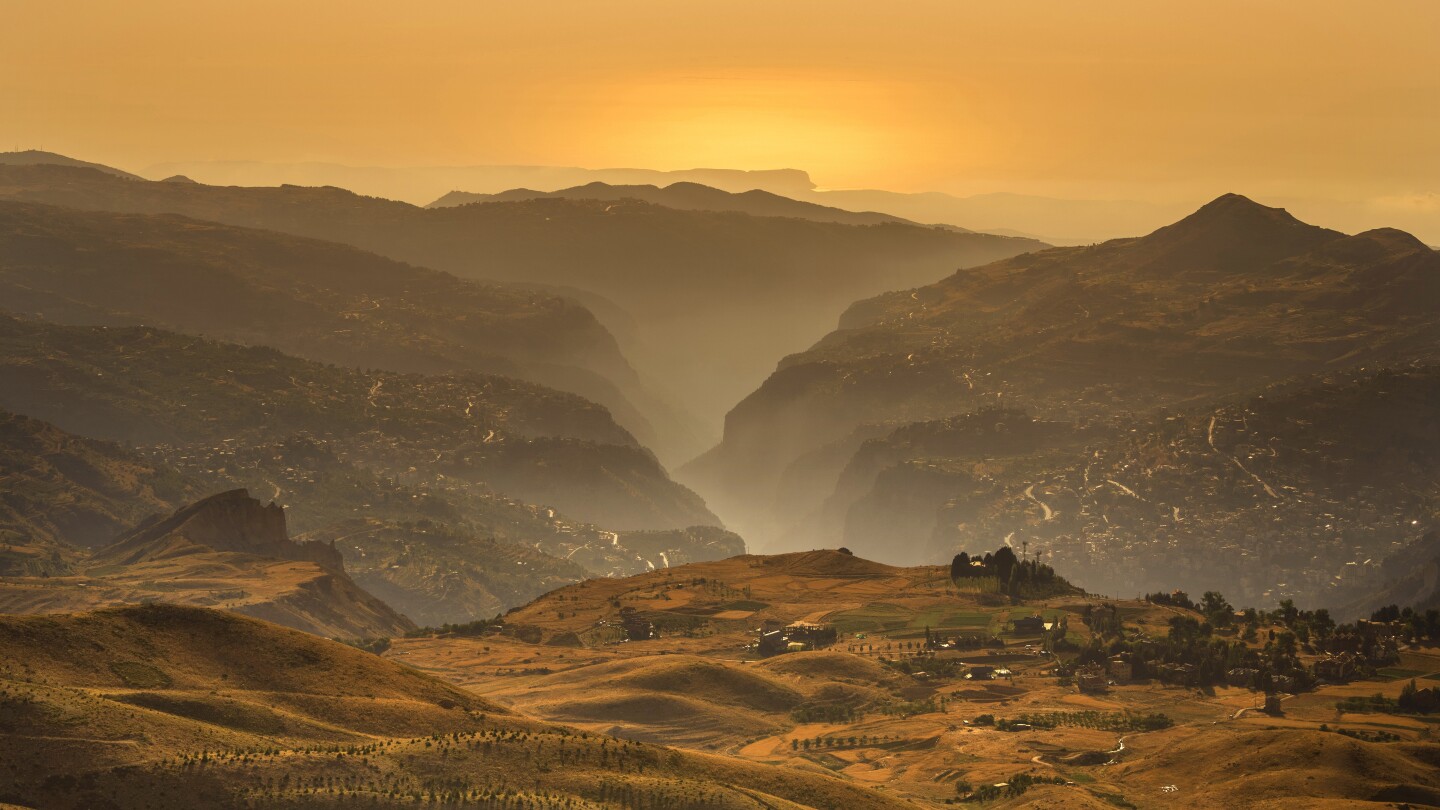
(1016, 577)
(1193, 653)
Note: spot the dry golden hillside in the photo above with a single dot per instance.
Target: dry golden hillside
(175, 707)
(876, 709)
(225, 551)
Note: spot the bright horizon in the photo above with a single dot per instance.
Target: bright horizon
(1046, 97)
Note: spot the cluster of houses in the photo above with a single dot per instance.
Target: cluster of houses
(1098, 677)
(1029, 625)
(794, 637)
(1337, 668)
(636, 626)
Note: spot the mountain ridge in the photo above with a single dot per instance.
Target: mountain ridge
(785, 278)
(1091, 334)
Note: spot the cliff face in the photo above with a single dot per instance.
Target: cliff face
(230, 521)
(231, 551)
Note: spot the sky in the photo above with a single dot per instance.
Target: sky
(1101, 99)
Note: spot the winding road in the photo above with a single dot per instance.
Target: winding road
(1210, 437)
(1124, 489)
(1030, 493)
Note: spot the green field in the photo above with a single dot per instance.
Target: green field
(900, 622)
(1396, 673)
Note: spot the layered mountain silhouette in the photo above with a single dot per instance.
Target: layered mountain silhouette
(1230, 299)
(421, 184)
(39, 157)
(714, 295)
(687, 197)
(313, 299)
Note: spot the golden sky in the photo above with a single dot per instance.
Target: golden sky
(1153, 99)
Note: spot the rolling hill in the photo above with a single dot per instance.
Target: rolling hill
(690, 279)
(237, 712)
(1229, 300)
(897, 700)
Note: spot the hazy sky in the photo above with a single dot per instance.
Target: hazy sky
(1111, 99)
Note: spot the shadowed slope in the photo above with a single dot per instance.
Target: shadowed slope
(1230, 299)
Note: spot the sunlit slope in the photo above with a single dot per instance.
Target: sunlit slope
(227, 550)
(236, 712)
(880, 709)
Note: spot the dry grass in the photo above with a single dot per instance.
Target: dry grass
(175, 707)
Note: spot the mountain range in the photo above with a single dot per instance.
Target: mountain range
(686, 278)
(1057, 219)
(1103, 339)
(201, 397)
(687, 197)
(314, 299)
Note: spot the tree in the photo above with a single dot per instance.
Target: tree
(1407, 696)
(1217, 609)
(1288, 613)
(1004, 562)
(960, 566)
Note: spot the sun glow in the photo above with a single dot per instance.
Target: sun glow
(835, 127)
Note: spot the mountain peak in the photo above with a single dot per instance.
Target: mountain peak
(1234, 233)
(1393, 238)
(1238, 210)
